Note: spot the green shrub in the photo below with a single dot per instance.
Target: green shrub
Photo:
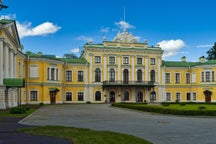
(165, 104)
(18, 110)
(182, 104)
(88, 102)
(202, 108)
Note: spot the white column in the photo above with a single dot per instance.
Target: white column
(11, 67)
(146, 69)
(104, 68)
(90, 62)
(132, 69)
(119, 67)
(6, 56)
(1, 63)
(159, 70)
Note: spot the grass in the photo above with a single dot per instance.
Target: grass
(31, 109)
(190, 109)
(85, 136)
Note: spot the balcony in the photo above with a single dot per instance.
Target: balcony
(119, 83)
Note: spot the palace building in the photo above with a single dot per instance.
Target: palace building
(121, 70)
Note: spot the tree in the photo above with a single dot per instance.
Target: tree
(70, 55)
(212, 53)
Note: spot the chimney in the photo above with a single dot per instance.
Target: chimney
(183, 59)
(202, 59)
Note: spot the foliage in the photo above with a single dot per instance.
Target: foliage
(18, 110)
(70, 55)
(212, 53)
(85, 136)
(21, 111)
(191, 109)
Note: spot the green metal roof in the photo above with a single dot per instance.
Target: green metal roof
(53, 89)
(14, 82)
(6, 21)
(53, 57)
(74, 60)
(101, 46)
(186, 64)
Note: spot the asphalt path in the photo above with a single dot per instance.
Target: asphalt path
(159, 129)
(9, 134)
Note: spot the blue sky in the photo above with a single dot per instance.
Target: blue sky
(181, 27)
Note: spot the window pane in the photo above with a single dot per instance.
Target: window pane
(80, 96)
(111, 60)
(139, 60)
(68, 96)
(80, 76)
(167, 79)
(97, 59)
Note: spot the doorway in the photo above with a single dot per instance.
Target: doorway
(112, 96)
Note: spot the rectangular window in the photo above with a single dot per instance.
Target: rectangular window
(208, 76)
(212, 76)
(178, 96)
(194, 96)
(68, 96)
(168, 96)
(33, 95)
(80, 96)
(97, 59)
(152, 61)
(188, 96)
(187, 78)
(68, 76)
(80, 76)
(139, 60)
(177, 78)
(52, 74)
(111, 60)
(167, 77)
(203, 77)
(34, 71)
(193, 78)
(125, 60)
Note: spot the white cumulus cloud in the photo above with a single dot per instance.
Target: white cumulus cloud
(124, 25)
(84, 38)
(171, 47)
(76, 50)
(25, 29)
(105, 29)
(205, 46)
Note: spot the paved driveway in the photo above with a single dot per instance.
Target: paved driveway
(159, 129)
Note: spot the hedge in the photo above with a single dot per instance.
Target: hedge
(164, 110)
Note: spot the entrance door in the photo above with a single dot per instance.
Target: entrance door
(112, 96)
(125, 76)
(207, 95)
(52, 97)
(139, 96)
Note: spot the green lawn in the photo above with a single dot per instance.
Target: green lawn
(30, 110)
(85, 136)
(76, 135)
(190, 109)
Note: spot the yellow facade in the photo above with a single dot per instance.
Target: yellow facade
(122, 70)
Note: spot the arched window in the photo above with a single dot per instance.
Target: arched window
(153, 96)
(152, 76)
(126, 95)
(139, 75)
(98, 96)
(126, 76)
(139, 96)
(97, 75)
(112, 75)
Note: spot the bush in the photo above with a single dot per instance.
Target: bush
(202, 108)
(18, 110)
(182, 104)
(165, 104)
(88, 102)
